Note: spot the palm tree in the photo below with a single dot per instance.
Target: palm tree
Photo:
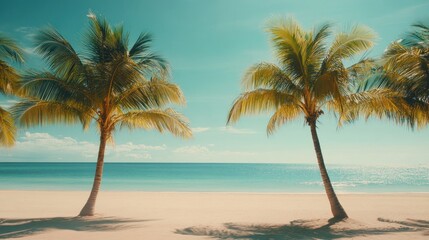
(110, 83)
(9, 78)
(405, 66)
(401, 75)
(310, 77)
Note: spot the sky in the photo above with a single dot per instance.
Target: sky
(209, 45)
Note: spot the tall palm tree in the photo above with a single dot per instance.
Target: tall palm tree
(110, 83)
(9, 78)
(310, 77)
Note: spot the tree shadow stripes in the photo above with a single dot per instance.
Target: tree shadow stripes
(15, 228)
(303, 229)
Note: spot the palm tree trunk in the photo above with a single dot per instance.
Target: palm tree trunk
(336, 208)
(88, 209)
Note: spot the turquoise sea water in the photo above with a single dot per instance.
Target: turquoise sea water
(207, 177)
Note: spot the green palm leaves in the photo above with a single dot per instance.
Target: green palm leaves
(310, 74)
(398, 86)
(108, 82)
(9, 79)
(406, 65)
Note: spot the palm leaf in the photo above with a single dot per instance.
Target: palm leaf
(46, 86)
(284, 113)
(33, 112)
(346, 45)
(258, 101)
(290, 47)
(9, 79)
(267, 75)
(160, 120)
(10, 50)
(141, 46)
(419, 37)
(7, 128)
(378, 102)
(150, 94)
(58, 52)
(331, 84)
(316, 50)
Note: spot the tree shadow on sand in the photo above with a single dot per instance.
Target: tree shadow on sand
(414, 223)
(297, 229)
(15, 228)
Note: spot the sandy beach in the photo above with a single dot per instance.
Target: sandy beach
(163, 215)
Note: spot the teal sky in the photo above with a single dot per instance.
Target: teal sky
(209, 45)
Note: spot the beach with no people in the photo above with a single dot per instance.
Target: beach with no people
(51, 215)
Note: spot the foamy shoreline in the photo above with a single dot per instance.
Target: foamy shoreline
(215, 215)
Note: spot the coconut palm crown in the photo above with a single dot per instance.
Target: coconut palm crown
(405, 66)
(9, 80)
(310, 78)
(402, 74)
(109, 83)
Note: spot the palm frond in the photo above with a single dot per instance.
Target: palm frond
(59, 53)
(7, 129)
(119, 74)
(346, 45)
(39, 113)
(331, 84)
(100, 40)
(316, 50)
(290, 46)
(160, 120)
(150, 94)
(120, 40)
(284, 113)
(378, 102)
(48, 87)
(148, 62)
(419, 37)
(141, 46)
(10, 50)
(153, 64)
(268, 75)
(9, 78)
(259, 101)
(408, 68)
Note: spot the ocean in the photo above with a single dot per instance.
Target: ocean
(212, 177)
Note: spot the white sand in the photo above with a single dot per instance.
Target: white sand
(149, 215)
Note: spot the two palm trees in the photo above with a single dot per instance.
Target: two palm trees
(113, 85)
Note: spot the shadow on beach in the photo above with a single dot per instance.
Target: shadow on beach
(305, 229)
(15, 228)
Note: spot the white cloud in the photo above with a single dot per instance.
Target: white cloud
(28, 32)
(44, 142)
(233, 130)
(200, 129)
(127, 147)
(45, 147)
(138, 156)
(192, 150)
(236, 154)
(208, 153)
